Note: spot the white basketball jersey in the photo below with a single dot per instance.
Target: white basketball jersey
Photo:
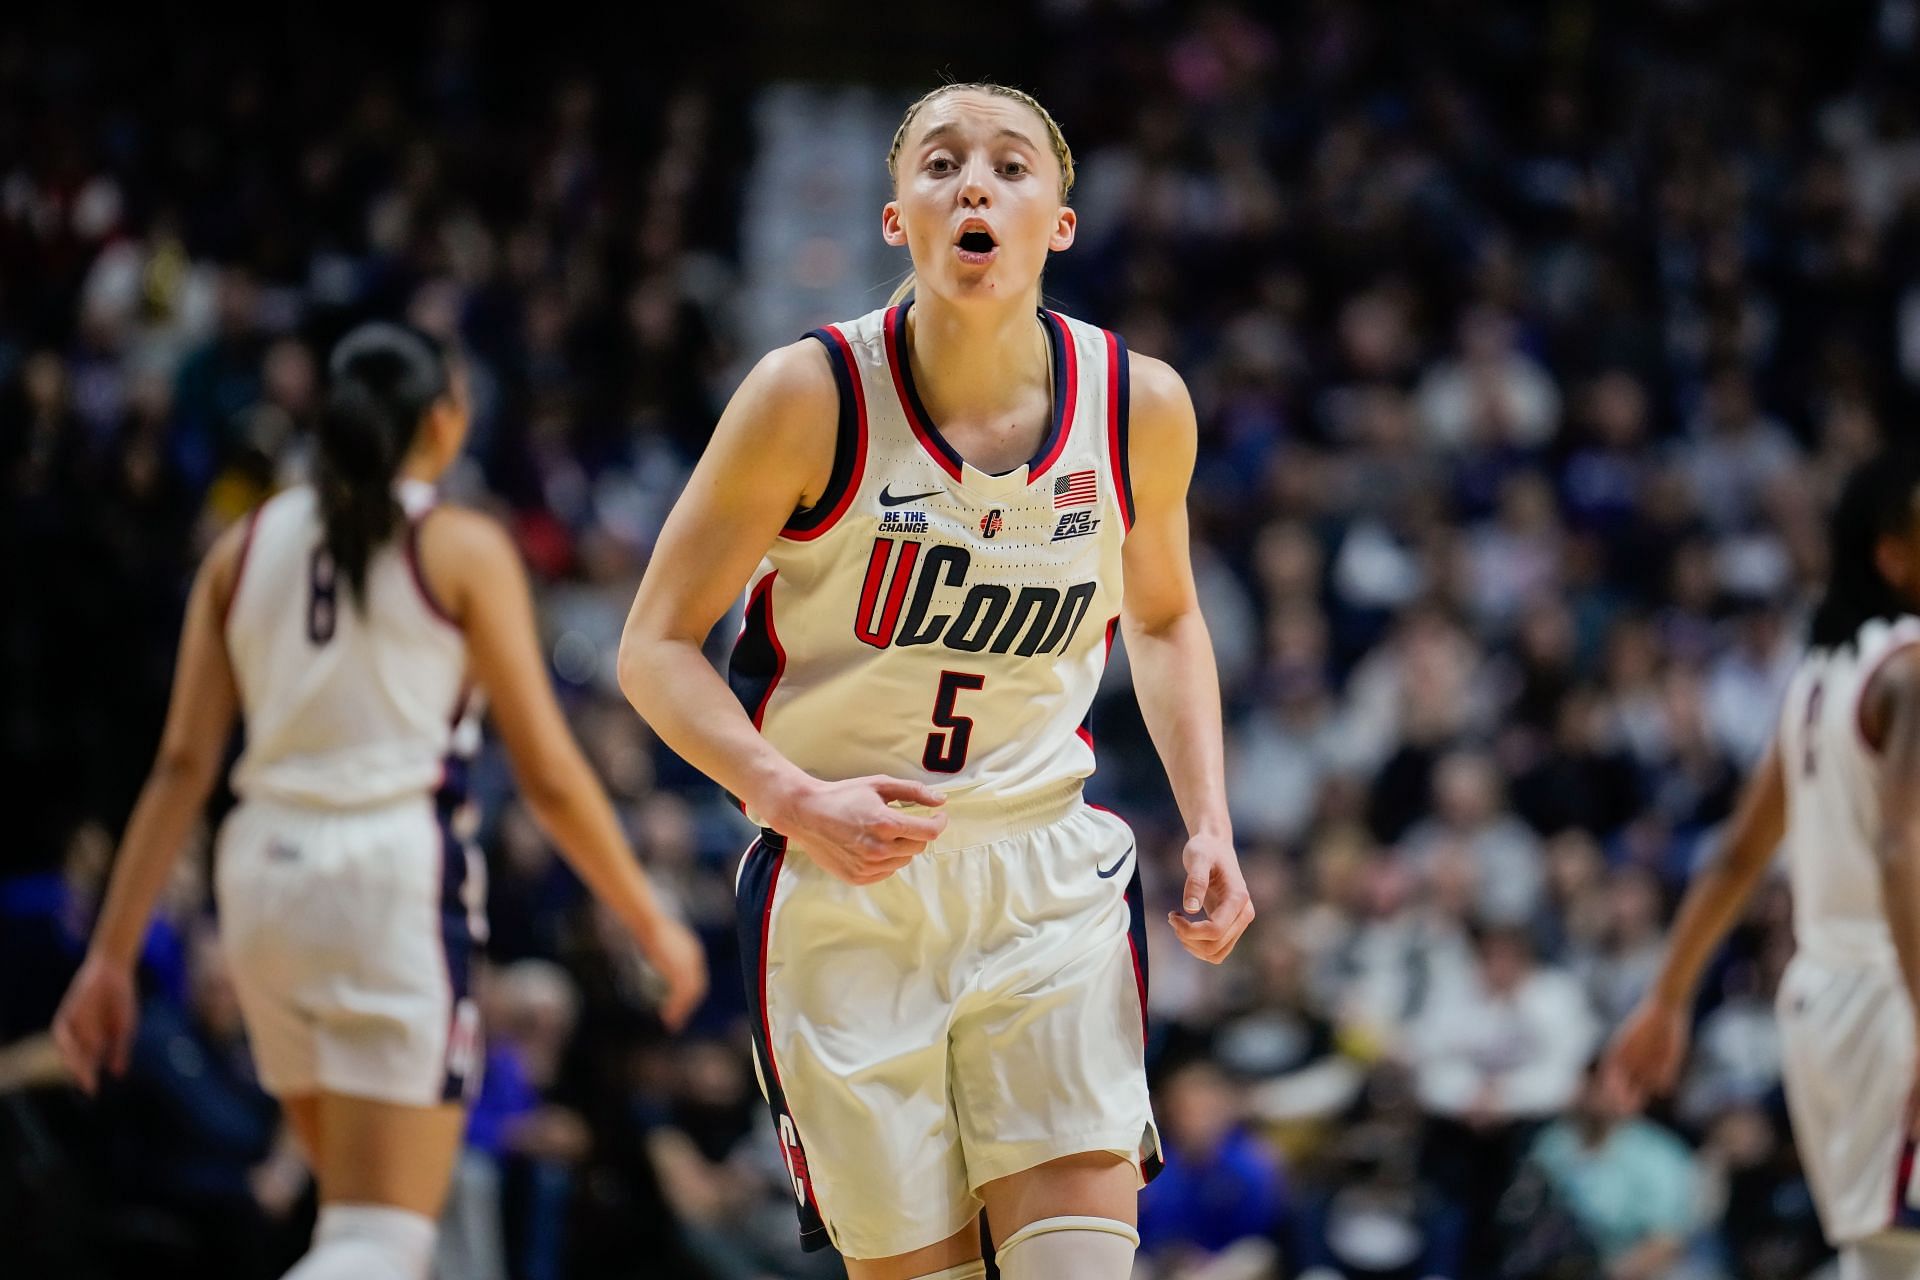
(1833, 798)
(345, 706)
(927, 620)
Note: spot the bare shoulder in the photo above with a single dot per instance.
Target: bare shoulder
(1159, 393)
(220, 570)
(453, 529)
(799, 371)
(775, 442)
(462, 551)
(788, 400)
(1162, 434)
(1892, 694)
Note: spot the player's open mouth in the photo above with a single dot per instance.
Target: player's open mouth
(976, 244)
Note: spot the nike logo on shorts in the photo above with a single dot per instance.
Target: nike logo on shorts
(1113, 870)
(888, 500)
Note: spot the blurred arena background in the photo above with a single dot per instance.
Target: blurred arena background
(1528, 337)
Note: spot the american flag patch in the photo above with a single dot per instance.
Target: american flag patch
(1074, 490)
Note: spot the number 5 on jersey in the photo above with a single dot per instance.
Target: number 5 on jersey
(946, 752)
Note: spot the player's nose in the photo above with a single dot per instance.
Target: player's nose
(975, 191)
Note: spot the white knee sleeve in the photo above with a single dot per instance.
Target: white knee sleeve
(367, 1242)
(975, 1270)
(1072, 1248)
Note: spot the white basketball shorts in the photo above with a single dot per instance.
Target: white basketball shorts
(1847, 1054)
(979, 1012)
(351, 935)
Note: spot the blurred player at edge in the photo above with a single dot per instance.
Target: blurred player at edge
(1841, 784)
(356, 624)
(943, 941)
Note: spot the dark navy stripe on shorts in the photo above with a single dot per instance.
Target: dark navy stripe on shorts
(759, 875)
(1150, 1162)
(458, 946)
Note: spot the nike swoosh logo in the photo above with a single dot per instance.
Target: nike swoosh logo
(1114, 870)
(888, 500)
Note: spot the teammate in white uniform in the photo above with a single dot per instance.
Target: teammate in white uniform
(1841, 785)
(354, 626)
(931, 511)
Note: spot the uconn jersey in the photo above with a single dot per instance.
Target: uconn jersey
(1833, 788)
(348, 702)
(350, 904)
(925, 618)
(1847, 1036)
(982, 1010)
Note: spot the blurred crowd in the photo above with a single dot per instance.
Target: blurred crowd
(1528, 340)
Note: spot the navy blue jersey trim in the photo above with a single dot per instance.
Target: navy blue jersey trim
(903, 366)
(1064, 374)
(759, 878)
(846, 444)
(757, 660)
(414, 567)
(1058, 341)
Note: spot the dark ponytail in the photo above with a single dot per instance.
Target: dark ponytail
(384, 379)
(1877, 501)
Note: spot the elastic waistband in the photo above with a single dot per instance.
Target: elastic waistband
(975, 819)
(1873, 950)
(308, 807)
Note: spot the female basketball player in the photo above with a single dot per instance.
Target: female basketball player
(931, 510)
(353, 623)
(1841, 784)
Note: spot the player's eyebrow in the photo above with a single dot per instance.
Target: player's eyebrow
(943, 130)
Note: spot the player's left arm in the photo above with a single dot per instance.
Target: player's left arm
(1646, 1053)
(1172, 658)
(1893, 720)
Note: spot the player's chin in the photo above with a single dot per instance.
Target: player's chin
(982, 282)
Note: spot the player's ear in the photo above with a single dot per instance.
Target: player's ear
(444, 432)
(891, 228)
(1894, 560)
(1063, 230)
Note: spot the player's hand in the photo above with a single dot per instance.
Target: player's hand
(676, 955)
(1214, 907)
(1647, 1051)
(852, 830)
(96, 1020)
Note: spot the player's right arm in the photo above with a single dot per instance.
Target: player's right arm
(1646, 1054)
(771, 453)
(96, 1020)
(1893, 716)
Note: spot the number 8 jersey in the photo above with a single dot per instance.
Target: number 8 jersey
(927, 620)
(347, 705)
